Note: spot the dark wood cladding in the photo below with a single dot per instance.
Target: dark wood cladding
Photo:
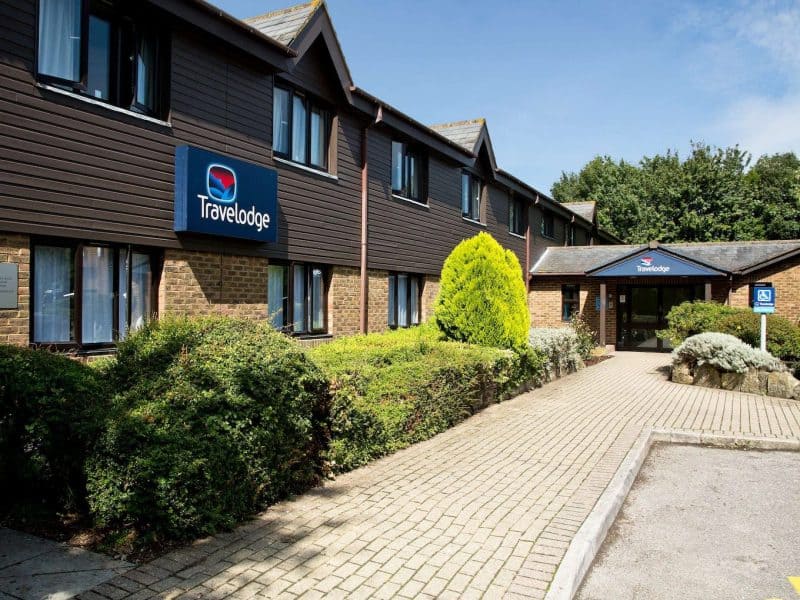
(70, 168)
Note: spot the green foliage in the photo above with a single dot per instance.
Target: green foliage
(482, 296)
(51, 410)
(709, 196)
(690, 318)
(215, 418)
(393, 389)
(560, 346)
(724, 352)
(587, 338)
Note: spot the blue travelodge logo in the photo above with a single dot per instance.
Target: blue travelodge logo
(223, 196)
(647, 261)
(221, 183)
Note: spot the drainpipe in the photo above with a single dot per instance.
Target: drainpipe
(526, 276)
(363, 309)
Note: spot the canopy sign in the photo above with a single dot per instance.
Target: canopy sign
(655, 263)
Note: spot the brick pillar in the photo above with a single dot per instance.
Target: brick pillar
(15, 322)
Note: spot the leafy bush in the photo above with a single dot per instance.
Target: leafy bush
(215, 418)
(393, 389)
(51, 410)
(725, 352)
(690, 318)
(587, 338)
(561, 346)
(482, 297)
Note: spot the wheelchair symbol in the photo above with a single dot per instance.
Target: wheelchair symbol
(765, 296)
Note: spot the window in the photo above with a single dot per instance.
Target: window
(407, 172)
(300, 129)
(296, 298)
(98, 49)
(548, 225)
(572, 235)
(516, 215)
(404, 299)
(90, 294)
(470, 196)
(570, 301)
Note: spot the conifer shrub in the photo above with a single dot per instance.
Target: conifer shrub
(561, 346)
(214, 419)
(482, 297)
(724, 352)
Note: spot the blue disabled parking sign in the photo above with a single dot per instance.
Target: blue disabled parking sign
(764, 300)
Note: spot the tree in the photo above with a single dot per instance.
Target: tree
(482, 298)
(774, 192)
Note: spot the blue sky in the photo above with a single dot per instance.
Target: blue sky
(561, 82)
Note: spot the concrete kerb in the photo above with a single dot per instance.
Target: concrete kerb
(586, 543)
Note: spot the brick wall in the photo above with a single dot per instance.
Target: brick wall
(429, 293)
(344, 295)
(544, 303)
(202, 283)
(378, 311)
(15, 322)
(785, 276)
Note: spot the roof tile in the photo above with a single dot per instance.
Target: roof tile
(286, 24)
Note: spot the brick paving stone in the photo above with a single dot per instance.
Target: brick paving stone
(487, 508)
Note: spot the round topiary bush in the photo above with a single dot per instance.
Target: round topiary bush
(482, 297)
(215, 419)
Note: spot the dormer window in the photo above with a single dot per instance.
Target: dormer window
(408, 170)
(300, 129)
(470, 196)
(548, 225)
(105, 50)
(516, 215)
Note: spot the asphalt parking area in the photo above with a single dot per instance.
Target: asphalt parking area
(704, 523)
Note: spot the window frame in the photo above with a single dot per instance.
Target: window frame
(308, 317)
(515, 203)
(474, 181)
(548, 218)
(125, 24)
(574, 303)
(311, 103)
(409, 150)
(76, 248)
(392, 316)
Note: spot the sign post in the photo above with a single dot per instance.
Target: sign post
(763, 304)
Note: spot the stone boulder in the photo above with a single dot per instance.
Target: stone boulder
(781, 384)
(706, 376)
(732, 381)
(751, 382)
(681, 373)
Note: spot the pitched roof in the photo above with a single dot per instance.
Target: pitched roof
(463, 133)
(582, 209)
(286, 24)
(724, 256)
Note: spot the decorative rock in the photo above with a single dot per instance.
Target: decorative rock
(681, 373)
(706, 376)
(750, 382)
(796, 395)
(731, 381)
(781, 384)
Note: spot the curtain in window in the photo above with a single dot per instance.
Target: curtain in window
(276, 295)
(476, 199)
(465, 179)
(52, 294)
(60, 38)
(412, 171)
(317, 297)
(397, 166)
(318, 137)
(402, 300)
(299, 306)
(141, 290)
(98, 77)
(414, 298)
(392, 300)
(299, 129)
(280, 121)
(97, 298)
(146, 72)
(122, 294)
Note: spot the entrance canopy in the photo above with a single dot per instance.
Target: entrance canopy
(654, 262)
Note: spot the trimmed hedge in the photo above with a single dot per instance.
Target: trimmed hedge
(691, 318)
(482, 298)
(215, 419)
(393, 389)
(724, 352)
(51, 410)
(561, 346)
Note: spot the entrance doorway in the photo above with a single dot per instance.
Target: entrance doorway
(643, 311)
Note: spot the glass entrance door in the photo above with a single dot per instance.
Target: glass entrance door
(644, 312)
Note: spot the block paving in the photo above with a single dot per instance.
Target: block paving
(486, 509)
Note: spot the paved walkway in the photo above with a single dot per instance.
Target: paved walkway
(486, 509)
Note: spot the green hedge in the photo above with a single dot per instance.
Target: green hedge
(51, 410)
(393, 389)
(691, 318)
(215, 418)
